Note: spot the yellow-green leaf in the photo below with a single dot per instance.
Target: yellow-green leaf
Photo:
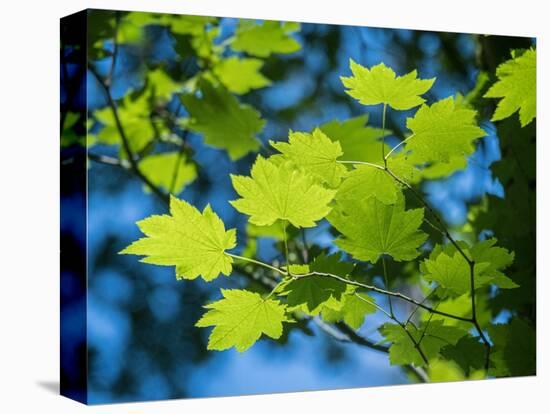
(192, 241)
(380, 85)
(370, 229)
(315, 153)
(281, 192)
(170, 171)
(517, 86)
(240, 319)
(442, 131)
(266, 38)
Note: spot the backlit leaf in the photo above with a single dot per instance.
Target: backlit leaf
(192, 241)
(442, 131)
(370, 228)
(281, 192)
(240, 319)
(359, 142)
(315, 153)
(240, 75)
(170, 171)
(380, 85)
(517, 86)
(266, 38)
(312, 293)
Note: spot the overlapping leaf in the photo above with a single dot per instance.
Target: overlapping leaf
(431, 336)
(380, 85)
(517, 86)
(240, 319)
(240, 75)
(224, 122)
(359, 142)
(281, 192)
(266, 38)
(352, 309)
(315, 153)
(449, 269)
(366, 181)
(170, 171)
(193, 242)
(312, 293)
(453, 272)
(370, 228)
(442, 131)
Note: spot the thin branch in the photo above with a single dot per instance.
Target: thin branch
(181, 152)
(417, 307)
(109, 79)
(125, 143)
(416, 345)
(403, 326)
(107, 160)
(385, 292)
(442, 226)
(479, 331)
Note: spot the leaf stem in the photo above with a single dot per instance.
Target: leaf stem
(259, 263)
(383, 134)
(380, 167)
(397, 146)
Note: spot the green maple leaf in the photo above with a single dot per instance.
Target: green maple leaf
(240, 75)
(240, 319)
(281, 192)
(315, 153)
(443, 130)
(311, 293)
(264, 39)
(380, 85)
(449, 269)
(435, 335)
(517, 86)
(366, 181)
(370, 228)
(453, 272)
(193, 242)
(224, 122)
(168, 170)
(359, 142)
(497, 258)
(352, 309)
